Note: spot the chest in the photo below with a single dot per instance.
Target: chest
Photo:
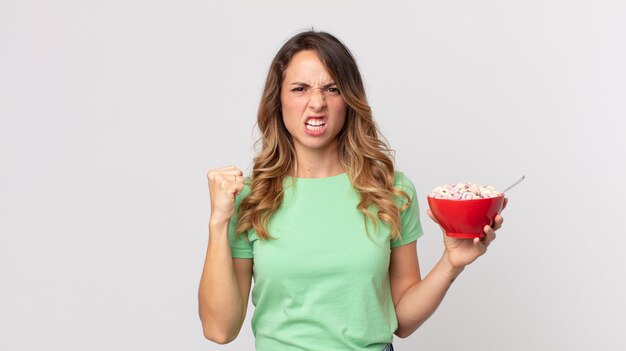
(321, 237)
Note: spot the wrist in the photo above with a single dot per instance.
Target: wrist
(218, 221)
(449, 268)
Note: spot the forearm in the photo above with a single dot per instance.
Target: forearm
(421, 300)
(221, 305)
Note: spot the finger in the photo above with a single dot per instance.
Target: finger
(230, 178)
(227, 184)
(234, 171)
(482, 243)
(497, 222)
(483, 238)
(212, 173)
(235, 188)
(238, 188)
(481, 246)
(490, 235)
(432, 216)
(220, 169)
(225, 168)
(486, 230)
(224, 184)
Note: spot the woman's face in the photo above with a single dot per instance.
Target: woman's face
(313, 109)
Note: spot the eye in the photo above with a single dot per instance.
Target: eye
(333, 90)
(298, 89)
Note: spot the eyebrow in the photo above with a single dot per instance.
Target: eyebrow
(308, 86)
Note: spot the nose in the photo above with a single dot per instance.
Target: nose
(317, 100)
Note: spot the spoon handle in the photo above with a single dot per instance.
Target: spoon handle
(514, 184)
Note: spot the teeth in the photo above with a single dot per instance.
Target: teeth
(309, 127)
(315, 122)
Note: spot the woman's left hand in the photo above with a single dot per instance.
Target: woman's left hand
(461, 252)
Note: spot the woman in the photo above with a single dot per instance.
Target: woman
(325, 224)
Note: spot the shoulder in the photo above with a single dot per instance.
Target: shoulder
(402, 182)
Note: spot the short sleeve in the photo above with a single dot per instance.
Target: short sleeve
(411, 226)
(240, 246)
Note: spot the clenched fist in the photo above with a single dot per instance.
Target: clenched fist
(224, 185)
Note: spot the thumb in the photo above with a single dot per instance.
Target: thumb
(432, 216)
(238, 189)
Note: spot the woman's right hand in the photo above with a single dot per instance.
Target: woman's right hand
(224, 185)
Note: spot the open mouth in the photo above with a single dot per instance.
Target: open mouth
(315, 123)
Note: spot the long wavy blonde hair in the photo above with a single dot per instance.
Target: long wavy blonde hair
(364, 155)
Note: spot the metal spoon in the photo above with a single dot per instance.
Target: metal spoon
(514, 184)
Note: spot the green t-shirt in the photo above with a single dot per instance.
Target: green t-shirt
(323, 284)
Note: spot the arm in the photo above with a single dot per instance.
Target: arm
(415, 300)
(224, 288)
(225, 283)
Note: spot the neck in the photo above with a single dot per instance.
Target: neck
(318, 164)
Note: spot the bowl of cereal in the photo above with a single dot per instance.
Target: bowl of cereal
(463, 209)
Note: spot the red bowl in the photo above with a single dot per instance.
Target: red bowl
(465, 218)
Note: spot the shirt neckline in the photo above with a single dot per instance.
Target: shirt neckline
(322, 179)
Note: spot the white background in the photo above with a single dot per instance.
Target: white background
(111, 112)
